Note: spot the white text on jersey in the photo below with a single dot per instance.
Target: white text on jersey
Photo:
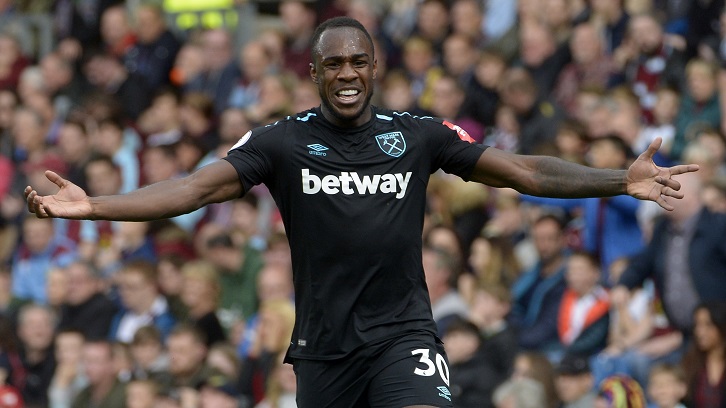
(330, 184)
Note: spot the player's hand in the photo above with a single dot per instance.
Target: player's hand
(69, 202)
(646, 181)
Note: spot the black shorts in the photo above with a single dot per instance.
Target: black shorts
(407, 370)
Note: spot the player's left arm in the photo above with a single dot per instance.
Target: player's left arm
(553, 177)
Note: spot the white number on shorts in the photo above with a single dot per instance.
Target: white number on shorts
(430, 366)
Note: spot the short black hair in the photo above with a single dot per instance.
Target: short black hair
(337, 22)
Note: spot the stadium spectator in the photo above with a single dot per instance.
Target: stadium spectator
(104, 389)
(149, 359)
(538, 292)
(699, 106)
(239, 269)
(74, 147)
(86, 309)
(299, 20)
(220, 72)
(482, 97)
(109, 76)
(590, 66)
(187, 355)
(584, 320)
(142, 303)
(419, 64)
(69, 378)
(28, 132)
(574, 382)
(537, 118)
(196, 117)
(537, 367)
(219, 392)
(116, 32)
(684, 258)
(646, 62)
(492, 303)
(277, 318)
(61, 83)
(109, 140)
(152, 57)
(141, 394)
(40, 250)
(12, 62)
(614, 19)
(472, 377)
(161, 121)
(34, 369)
(493, 263)
(520, 393)
(448, 97)
(274, 282)
(200, 294)
(441, 270)
(541, 56)
(467, 17)
(667, 386)
(254, 61)
(705, 363)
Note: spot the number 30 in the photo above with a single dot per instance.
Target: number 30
(430, 366)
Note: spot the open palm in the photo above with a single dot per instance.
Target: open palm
(647, 181)
(69, 202)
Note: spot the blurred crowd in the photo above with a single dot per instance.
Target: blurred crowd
(540, 302)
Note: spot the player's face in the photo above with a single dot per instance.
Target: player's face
(344, 69)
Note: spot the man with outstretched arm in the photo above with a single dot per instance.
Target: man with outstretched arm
(350, 181)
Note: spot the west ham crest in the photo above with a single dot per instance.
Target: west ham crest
(392, 144)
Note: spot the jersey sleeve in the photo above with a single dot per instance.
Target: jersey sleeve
(252, 157)
(453, 150)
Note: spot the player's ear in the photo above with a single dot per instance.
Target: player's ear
(375, 68)
(313, 73)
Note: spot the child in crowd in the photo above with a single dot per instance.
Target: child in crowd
(667, 386)
(583, 318)
(492, 304)
(141, 394)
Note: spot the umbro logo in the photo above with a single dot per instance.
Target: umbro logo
(317, 149)
(444, 392)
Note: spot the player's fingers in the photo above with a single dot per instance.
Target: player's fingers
(663, 203)
(668, 182)
(55, 178)
(29, 199)
(667, 191)
(683, 168)
(654, 146)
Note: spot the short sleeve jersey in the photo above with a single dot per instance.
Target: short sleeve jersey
(352, 201)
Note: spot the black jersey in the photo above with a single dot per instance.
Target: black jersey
(352, 201)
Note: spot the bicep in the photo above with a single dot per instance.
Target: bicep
(216, 182)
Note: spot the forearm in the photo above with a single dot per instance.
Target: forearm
(553, 177)
(165, 199)
(214, 183)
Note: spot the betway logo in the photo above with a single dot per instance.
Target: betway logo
(350, 182)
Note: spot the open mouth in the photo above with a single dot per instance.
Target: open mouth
(348, 96)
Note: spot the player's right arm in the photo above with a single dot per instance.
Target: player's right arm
(214, 183)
